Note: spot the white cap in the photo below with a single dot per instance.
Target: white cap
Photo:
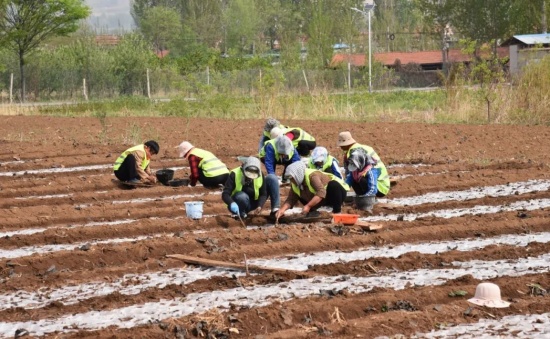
(275, 132)
(184, 148)
(488, 295)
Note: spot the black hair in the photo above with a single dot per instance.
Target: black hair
(153, 146)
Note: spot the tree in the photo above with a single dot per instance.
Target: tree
(25, 24)
(484, 21)
(438, 15)
(161, 26)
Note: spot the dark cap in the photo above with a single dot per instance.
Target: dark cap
(153, 146)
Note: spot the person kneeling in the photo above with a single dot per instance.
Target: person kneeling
(313, 189)
(245, 189)
(368, 178)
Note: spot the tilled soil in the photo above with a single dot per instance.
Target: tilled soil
(81, 256)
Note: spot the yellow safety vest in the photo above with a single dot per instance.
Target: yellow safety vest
(309, 172)
(302, 136)
(210, 165)
(327, 166)
(383, 183)
(277, 158)
(258, 182)
(122, 157)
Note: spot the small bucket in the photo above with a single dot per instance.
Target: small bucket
(193, 209)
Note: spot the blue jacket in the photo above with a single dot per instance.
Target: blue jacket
(372, 181)
(270, 160)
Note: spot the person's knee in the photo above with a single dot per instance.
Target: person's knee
(241, 197)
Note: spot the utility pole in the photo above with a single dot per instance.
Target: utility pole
(367, 12)
(544, 23)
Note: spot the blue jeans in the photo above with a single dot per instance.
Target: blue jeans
(272, 183)
(244, 202)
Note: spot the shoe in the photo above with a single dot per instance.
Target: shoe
(313, 214)
(132, 182)
(273, 213)
(244, 215)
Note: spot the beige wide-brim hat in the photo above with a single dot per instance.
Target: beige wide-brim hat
(488, 295)
(184, 148)
(345, 139)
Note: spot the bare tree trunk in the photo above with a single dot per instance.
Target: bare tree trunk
(22, 71)
(544, 22)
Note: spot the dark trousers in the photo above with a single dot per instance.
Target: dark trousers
(361, 187)
(212, 182)
(127, 170)
(305, 146)
(334, 198)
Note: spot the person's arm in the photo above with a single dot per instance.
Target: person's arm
(372, 181)
(295, 157)
(139, 155)
(194, 166)
(335, 169)
(316, 181)
(228, 189)
(263, 195)
(269, 160)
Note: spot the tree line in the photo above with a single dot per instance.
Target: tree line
(228, 35)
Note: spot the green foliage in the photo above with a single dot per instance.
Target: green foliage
(132, 57)
(24, 24)
(161, 26)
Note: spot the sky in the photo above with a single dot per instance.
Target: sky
(110, 15)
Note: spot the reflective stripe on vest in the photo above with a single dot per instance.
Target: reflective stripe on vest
(122, 157)
(277, 158)
(210, 165)
(239, 179)
(309, 172)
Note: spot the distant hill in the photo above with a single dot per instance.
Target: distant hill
(110, 15)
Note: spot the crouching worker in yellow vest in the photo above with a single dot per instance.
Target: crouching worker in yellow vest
(205, 167)
(313, 189)
(132, 166)
(245, 190)
(365, 172)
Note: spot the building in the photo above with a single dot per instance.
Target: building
(524, 49)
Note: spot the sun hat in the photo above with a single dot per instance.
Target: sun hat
(184, 148)
(488, 295)
(345, 139)
(275, 132)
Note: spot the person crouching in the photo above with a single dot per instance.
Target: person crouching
(205, 166)
(245, 190)
(313, 189)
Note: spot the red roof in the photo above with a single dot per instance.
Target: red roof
(421, 58)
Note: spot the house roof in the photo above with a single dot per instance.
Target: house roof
(421, 58)
(528, 39)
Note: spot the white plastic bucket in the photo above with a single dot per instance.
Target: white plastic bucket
(193, 209)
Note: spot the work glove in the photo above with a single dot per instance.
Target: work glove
(234, 208)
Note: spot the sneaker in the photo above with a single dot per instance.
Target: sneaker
(244, 215)
(273, 213)
(132, 182)
(313, 214)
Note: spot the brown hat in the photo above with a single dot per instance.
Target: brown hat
(345, 139)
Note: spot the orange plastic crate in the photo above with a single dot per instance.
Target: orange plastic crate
(346, 219)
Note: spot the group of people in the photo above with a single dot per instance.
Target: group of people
(314, 175)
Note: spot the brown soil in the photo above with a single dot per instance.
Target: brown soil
(459, 157)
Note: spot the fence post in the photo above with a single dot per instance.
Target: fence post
(11, 88)
(349, 76)
(208, 75)
(84, 91)
(305, 78)
(148, 85)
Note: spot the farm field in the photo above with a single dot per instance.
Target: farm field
(80, 257)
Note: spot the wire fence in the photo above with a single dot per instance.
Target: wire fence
(46, 84)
